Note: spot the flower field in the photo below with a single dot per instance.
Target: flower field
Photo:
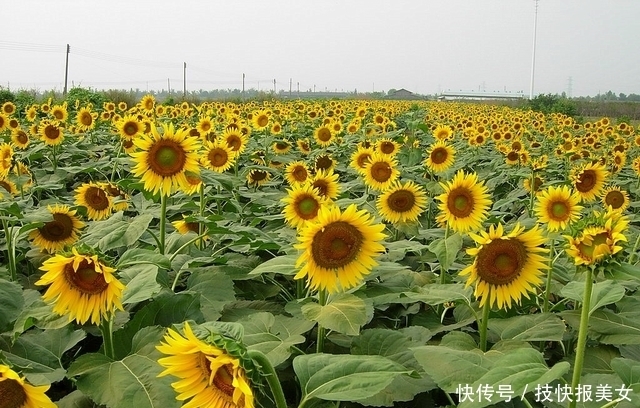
(317, 254)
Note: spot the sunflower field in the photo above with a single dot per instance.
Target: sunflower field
(317, 254)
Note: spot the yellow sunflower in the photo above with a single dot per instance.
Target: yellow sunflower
(165, 158)
(235, 139)
(20, 138)
(506, 267)
(129, 127)
(8, 108)
(218, 156)
(59, 113)
(209, 376)
(147, 104)
(387, 146)
(4, 122)
(615, 198)
(296, 172)
(465, 203)
(302, 204)
(338, 248)
(402, 202)
(95, 199)
(9, 186)
(6, 159)
(82, 287)
(558, 207)
(323, 135)
(443, 132)
(16, 392)
(260, 119)
(50, 133)
(257, 177)
(360, 158)
(303, 146)
(31, 113)
(599, 240)
(537, 184)
(63, 230)
(440, 157)
(204, 126)
(86, 119)
(589, 180)
(326, 183)
(380, 172)
(281, 147)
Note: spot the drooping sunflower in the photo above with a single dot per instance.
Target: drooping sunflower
(81, 286)
(506, 266)
(6, 159)
(165, 158)
(558, 207)
(615, 198)
(235, 139)
(602, 238)
(129, 127)
(218, 156)
(324, 162)
(9, 186)
(95, 198)
(86, 119)
(326, 182)
(465, 203)
(402, 202)
(209, 376)
(360, 158)
(323, 135)
(281, 147)
(257, 177)
(50, 133)
(589, 181)
(302, 204)
(16, 392)
(380, 172)
(338, 248)
(20, 138)
(303, 146)
(537, 184)
(440, 156)
(296, 172)
(63, 230)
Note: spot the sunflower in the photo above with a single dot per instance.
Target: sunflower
(50, 133)
(325, 162)
(323, 135)
(276, 128)
(465, 203)
(326, 183)
(4, 122)
(443, 132)
(204, 126)
(615, 198)
(388, 147)
(32, 113)
(380, 172)
(9, 186)
(598, 240)
(260, 119)
(296, 172)
(85, 119)
(118, 197)
(303, 146)
(63, 230)
(209, 376)
(20, 138)
(281, 147)
(440, 157)
(303, 202)
(558, 207)
(506, 267)
(16, 392)
(360, 158)
(257, 177)
(147, 104)
(6, 159)
(235, 139)
(185, 227)
(537, 184)
(129, 127)
(165, 158)
(636, 166)
(81, 286)
(194, 183)
(95, 199)
(218, 156)
(589, 180)
(402, 202)
(338, 248)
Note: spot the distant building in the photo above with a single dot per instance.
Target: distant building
(402, 94)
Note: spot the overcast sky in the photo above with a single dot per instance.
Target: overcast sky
(427, 46)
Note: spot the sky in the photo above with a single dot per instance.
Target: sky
(583, 47)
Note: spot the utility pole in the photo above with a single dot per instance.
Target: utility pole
(243, 85)
(290, 84)
(570, 88)
(168, 86)
(274, 86)
(298, 89)
(184, 81)
(533, 56)
(66, 71)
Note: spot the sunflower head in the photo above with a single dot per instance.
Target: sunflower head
(615, 198)
(96, 199)
(440, 157)
(402, 202)
(558, 207)
(297, 172)
(218, 156)
(380, 172)
(600, 237)
(60, 231)
(16, 392)
(302, 204)
(465, 203)
(589, 180)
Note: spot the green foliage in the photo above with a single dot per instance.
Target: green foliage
(85, 96)
(6, 96)
(548, 103)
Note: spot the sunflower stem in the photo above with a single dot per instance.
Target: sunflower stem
(484, 323)
(582, 334)
(115, 162)
(547, 291)
(106, 327)
(632, 257)
(163, 222)
(55, 158)
(11, 250)
(186, 244)
(322, 299)
(532, 187)
(270, 374)
(300, 292)
(201, 227)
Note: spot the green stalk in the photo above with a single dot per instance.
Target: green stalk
(300, 288)
(163, 222)
(11, 250)
(106, 328)
(270, 374)
(201, 227)
(632, 257)
(443, 276)
(547, 292)
(582, 334)
(55, 158)
(115, 162)
(322, 299)
(484, 323)
(533, 192)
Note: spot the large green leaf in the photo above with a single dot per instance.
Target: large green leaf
(608, 327)
(284, 265)
(215, 289)
(130, 382)
(397, 250)
(436, 294)
(344, 377)
(141, 283)
(344, 313)
(135, 256)
(274, 335)
(629, 372)
(11, 302)
(603, 293)
(39, 353)
(116, 232)
(75, 399)
(536, 327)
(446, 250)
(37, 313)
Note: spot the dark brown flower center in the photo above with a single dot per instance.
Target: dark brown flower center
(258, 175)
(322, 186)
(586, 181)
(218, 157)
(299, 173)
(460, 202)
(22, 137)
(59, 229)
(223, 380)
(501, 261)
(324, 162)
(96, 198)
(234, 142)
(166, 158)
(401, 201)
(381, 172)
(439, 155)
(12, 394)
(336, 245)
(131, 128)
(387, 147)
(86, 118)
(282, 146)
(51, 132)
(513, 156)
(262, 121)
(363, 159)
(615, 199)
(85, 278)
(306, 207)
(324, 134)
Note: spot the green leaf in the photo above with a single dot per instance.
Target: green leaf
(436, 294)
(116, 232)
(141, 283)
(345, 313)
(135, 256)
(536, 327)
(397, 250)
(608, 327)
(11, 302)
(75, 399)
(130, 382)
(446, 250)
(39, 353)
(215, 289)
(629, 372)
(344, 377)
(37, 313)
(626, 273)
(603, 293)
(284, 265)
(274, 335)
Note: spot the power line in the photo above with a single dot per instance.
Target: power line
(18, 46)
